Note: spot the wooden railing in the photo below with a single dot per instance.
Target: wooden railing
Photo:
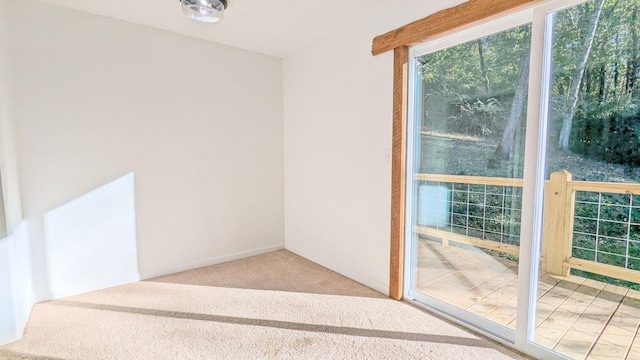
(558, 222)
(563, 178)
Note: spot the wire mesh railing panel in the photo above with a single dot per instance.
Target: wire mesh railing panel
(607, 229)
(488, 212)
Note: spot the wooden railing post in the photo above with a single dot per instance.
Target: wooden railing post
(558, 223)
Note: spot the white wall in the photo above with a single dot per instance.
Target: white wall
(199, 126)
(16, 292)
(7, 325)
(338, 107)
(8, 161)
(18, 253)
(91, 241)
(3, 218)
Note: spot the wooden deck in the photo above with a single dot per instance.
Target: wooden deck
(578, 317)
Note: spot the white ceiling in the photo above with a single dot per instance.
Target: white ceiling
(273, 27)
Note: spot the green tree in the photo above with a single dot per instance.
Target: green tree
(592, 20)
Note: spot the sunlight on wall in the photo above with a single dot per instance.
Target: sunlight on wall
(21, 275)
(3, 219)
(16, 291)
(7, 324)
(91, 241)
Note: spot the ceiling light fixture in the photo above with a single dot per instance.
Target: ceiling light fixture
(208, 11)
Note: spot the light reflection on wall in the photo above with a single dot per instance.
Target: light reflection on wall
(3, 219)
(91, 241)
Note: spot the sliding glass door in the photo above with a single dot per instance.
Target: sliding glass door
(523, 208)
(588, 304)
(467, 164)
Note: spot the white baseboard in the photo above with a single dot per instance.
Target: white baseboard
(62, 292)
(41, 295)
(364, 280)
(209, 262)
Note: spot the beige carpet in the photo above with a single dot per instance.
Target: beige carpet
(272, 306)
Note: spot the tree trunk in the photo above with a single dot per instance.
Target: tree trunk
(616, 70)
(635, 60)
(508, 136)
(572, 97)
(483, 67)
(602, 92)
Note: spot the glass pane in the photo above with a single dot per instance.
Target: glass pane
(588, 307)
(468, 160)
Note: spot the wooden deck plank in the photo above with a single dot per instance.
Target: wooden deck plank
(475, 288)
(546, 283)
(572, 310)
(557, 295)
(634, 351)
(570, 300)
(580, 318)
(495, 300)
(441, 265)
(617, 337)
(631, 307)
(469, 271)
(506, 313)
(610, 347)
(631, 304)
(576, 344)
(585, 332)
(482, 290)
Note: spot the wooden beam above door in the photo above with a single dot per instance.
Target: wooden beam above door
(444, 21)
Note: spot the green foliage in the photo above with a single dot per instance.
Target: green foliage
(477, 118)
(605, 279)
(468, 89)
(605, 125)
(459, 98)
(614, 138)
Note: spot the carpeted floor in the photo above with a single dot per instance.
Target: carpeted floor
(272, 306)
